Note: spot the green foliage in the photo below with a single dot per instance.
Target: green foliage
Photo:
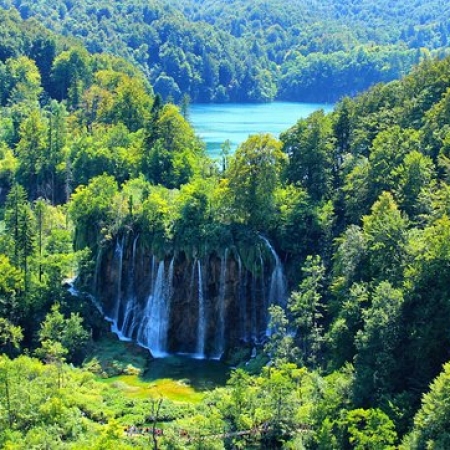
(377, 344)
(280, 345)
(254, 174)
(67, 333)
(370, 429)
(171, 149)
(92, 210)
(10, 336)
(384, 230)
(217, 51)
(309, 146)
(306, 307)
(431, 425)
(87, 154)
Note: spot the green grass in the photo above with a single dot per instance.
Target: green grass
(130, 369)
(134, 386)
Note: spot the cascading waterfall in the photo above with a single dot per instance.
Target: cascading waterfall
(192, 294)
(145, 299)
(169, 286)
(242, 299)
(263, 308)
(155, 323)
(118, 254)
(97, 268)
(131, 307)
(150, 323)
(201, 327)
(254, 332)
(220, 337)
(277, 290)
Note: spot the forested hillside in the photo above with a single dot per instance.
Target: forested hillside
(239, 51)
(354, 205)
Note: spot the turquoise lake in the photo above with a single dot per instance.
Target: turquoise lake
(215, 123)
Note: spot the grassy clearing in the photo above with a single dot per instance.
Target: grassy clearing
(129, 368)
(134, 386)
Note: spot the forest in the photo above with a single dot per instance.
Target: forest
(96, 170)
(222, 51)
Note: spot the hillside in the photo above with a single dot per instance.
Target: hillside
(235, 51)
(325, 252)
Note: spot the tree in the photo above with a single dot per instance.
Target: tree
(347, 323)
(385, 233)
(23, 80)
(370, 429)
(71, 74)
(300, 223)
(431, 426)
(170, 147)
(254, 174)
(415, 175)
(280, 345)
(389, 149)
(377, 345)
(309, 146)
(130, 105)
(60, 336)
(21, 226)
(92, 210)
(426, 309)
(306, 306)
(55, 157)
(10, 336)
(32, 153)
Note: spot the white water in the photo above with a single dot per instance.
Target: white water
(220, 338)
(201, 327)
(148, 320)
(242, 298)
(97, 269)
(278, 289)
(131, 308)
(277, 292)
(118, 254)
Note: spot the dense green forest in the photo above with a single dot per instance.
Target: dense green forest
(255, 52)
(355, 202)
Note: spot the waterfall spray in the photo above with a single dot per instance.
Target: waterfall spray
(201, 327)
(220, 337)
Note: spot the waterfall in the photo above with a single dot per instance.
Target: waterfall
(168, 293)
(277, 289)
(242, 298)
(220, 336)
(170, 281)
(118, 255)
(154, 325)
(97, 269)
(253, 306)
(145, 312)
(201, 327)
(72, 289)
(131, 307)
(192, 283)
(263, 309)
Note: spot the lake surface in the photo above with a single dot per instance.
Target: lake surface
(215, 123)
